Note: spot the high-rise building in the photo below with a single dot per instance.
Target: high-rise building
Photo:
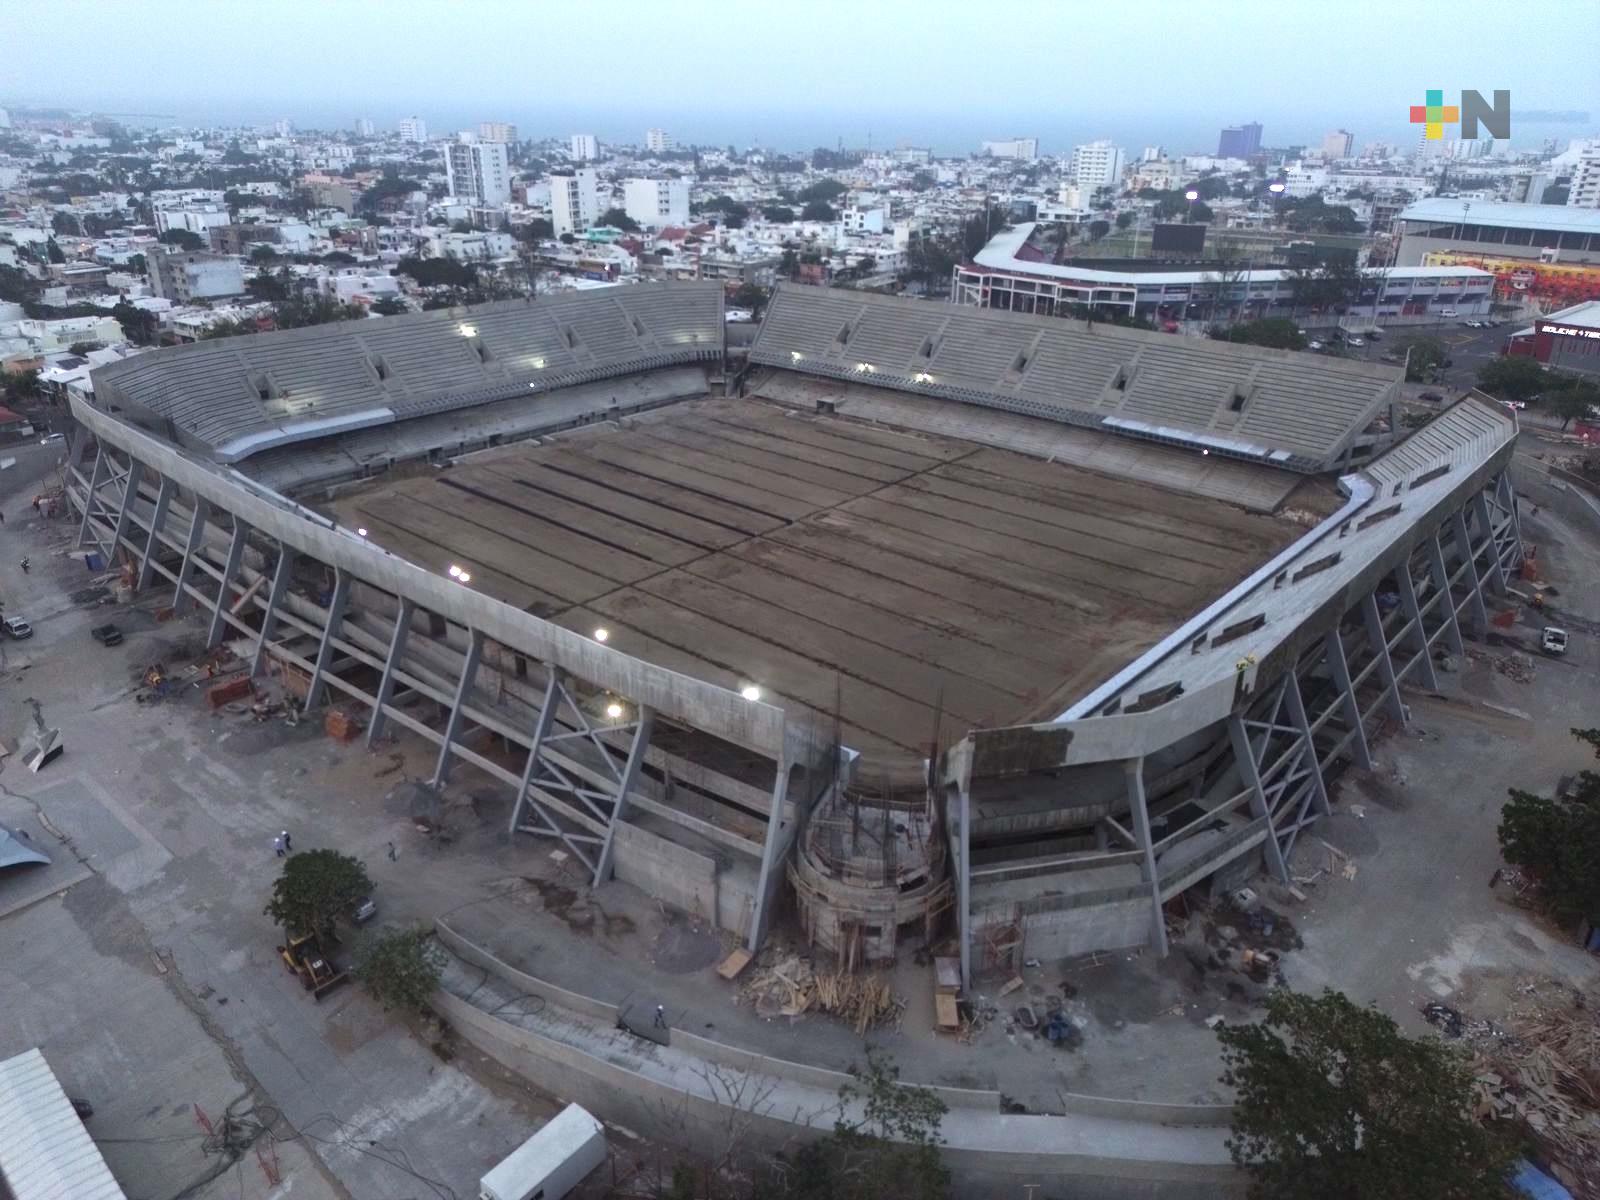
(283, 127)
(496, 131)
(1239, 141)
(658, 141)
(1584, 191)
(365, 127)
(1017, 147)
(479, 172)
(584, 147)
(1096, 165)
(1338, 144)
(1151, 154)
(413, 129)
(655, 203)
(574, 201)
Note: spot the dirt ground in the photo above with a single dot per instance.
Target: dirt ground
(908, 576)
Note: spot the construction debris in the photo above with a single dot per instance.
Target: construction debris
(1518, 667)
(791, 988)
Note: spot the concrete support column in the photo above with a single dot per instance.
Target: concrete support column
(1133, 774)
(452, 725)
(77, 449)
(1507, 495)
(1441, 584)
(1480, 614)
(630, 779)
(1340, 666)
(1497, 576)
(319, 669)
(280, 583)
(1380, 649)
(1297, 713)
(397, 648)
(241, 532)
(1245, 756)
(1419, 631)
(157, 520)
(541, 728)
(766, 882)
(181, 600)
(96, 477)
(130, 492)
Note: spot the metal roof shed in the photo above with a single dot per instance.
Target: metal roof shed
(45, 1152)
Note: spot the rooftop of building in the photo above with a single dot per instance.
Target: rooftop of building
(1585, 315)
(1559, 217)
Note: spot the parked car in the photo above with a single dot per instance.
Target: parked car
(1352, 340)
(1553, 640)
(106, 635)
(1431, 397)
(1448, 312)
(16, 627)
(1313, 345)
(51, 438)
(1375, 335)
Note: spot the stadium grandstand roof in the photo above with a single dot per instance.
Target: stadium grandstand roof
(1272, 406)
(1559, 217)
(233, 397)
(45, 1152)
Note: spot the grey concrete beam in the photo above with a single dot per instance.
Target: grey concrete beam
(1297, 712)
(241, 532)
(130, 489)
(182, 600)
(1245, 757)
(452, 726)
(1133, 775)
(1339, 665)
(96, 478)
(630, 779)
(1441, 584)
(1414, 625)
(157, 520)
(1480, 613)
(280, 581)
(337, 604)
(766, 881)
(1380, 652)
(1497, 575)
(397, 647)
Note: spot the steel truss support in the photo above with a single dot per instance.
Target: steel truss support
(230, 568)
(452, 725)
(1480, 613)
(1339, 665)
(1133, 775)
(280, 583)
(1419, 631)
(319, 669)
(181, 599)
(157, 520)
(580, 799)
(397, 647)
(1447, 597)
(1379, 642)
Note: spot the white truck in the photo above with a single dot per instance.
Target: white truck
(552, 1162)
(1553, 640)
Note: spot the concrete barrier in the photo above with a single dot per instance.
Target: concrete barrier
(469, 952)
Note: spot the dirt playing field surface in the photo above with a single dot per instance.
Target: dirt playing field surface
(817, 557)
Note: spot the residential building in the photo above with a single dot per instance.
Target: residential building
(196, 218)
(1239, 141)
(656, 203)
(658, 141)
(1338, 144)
(584, 148)
(1584, 191)
(1096, 165)
(864, 220)
(478, 172)
(496, 131)
(365, 127)
(1568, 340)
(574, 201)
(184, 276)
(413, 129)
(238, 239)
(1016, 147)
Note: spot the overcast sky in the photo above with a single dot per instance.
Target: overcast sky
(813, 71)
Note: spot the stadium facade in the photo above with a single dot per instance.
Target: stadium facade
(922, 619)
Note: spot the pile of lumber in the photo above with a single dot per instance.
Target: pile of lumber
(790, 987)
(1544, 1069)
(864, 1001)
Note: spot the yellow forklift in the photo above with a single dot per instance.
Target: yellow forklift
(305, 957)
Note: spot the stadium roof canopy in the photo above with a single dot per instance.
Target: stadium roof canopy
(1558, 217)
(235, 396)
(1277, 407)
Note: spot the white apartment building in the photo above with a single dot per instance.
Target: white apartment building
(1017, 147)
(655, 203)
(413, 129)
(197, 219)
(1585, 188)
(1338, 144)
(496, 131)
(479, 172)
(864, 220)
(658, 141)
(365, 127)
(1096, 165)
(584, 147)
(186, 276)
(574, 201)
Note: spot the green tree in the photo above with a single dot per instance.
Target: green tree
(262, 254)
(823, 189)
(1124, 219)
(892, 1149)
(21, 387)
(315, 887)
(54, 251)
(1572, 399)
(778, 214)
(138, 325)
(83, 348)
(339, 258)
(618, 218)
(818, 210)
(1512, 377)
(1280, 333)
(461, 227)
(264, 285)
(1557, 841)
(789, 264)
(400, 967)
(1098, 229)
(183, 239)
(438, 272)
(1334, 1102)
(540, 229)
(751, 296)
(1424, 356)
(389, 306)
(65, 223)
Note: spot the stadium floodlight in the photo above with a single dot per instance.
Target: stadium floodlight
(750, 692)
(602, 634)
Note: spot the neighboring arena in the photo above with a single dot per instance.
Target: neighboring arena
(936, 620)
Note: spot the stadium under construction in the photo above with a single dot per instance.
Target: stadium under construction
(905, 621)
